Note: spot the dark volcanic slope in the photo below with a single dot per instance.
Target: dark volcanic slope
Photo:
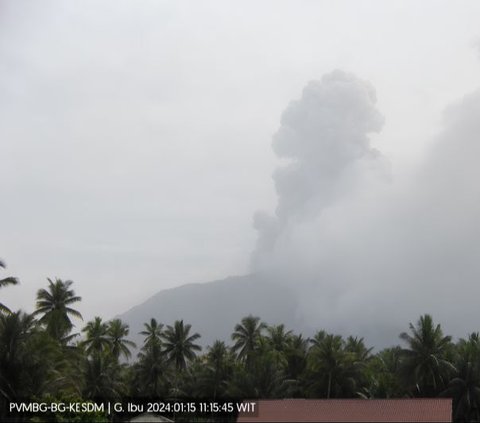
(214, 308)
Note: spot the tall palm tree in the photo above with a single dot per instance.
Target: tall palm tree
(117, 332)
(318, 339)
(102, 379)
(326, 359)
(334, 371)
(54, 305)
(97, 338)
(465, 386)
(4, 282)
(278, 337)
(151, 366)
(179, 345)
(383, 370)
(219, 365)
(265, 378)
(27, 359)
(424, 364)
(357, 346)
(153, 333)
(247, 335)
(15, 329)
(296, 354)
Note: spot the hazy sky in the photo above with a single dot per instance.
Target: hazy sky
(136, 136)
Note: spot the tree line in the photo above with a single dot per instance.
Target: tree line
(42, 358)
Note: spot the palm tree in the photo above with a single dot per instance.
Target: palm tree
(360, 358)
(217, 353)
(219, 366)
(246, 336)
(27, 359)
(357, 346)
(335, 373)
(326, 358)
(117, 331)
(278, 338)
(318, 339)
(153, 333)
(424, 365)
(97, 337)
(296, 355)
(4, 282)
(179, 345)
(265, 378)
(151, 367)
(67, 378)
(54, 305)
(465, 386)
(15, 329)
(102, 380)
(383, 371)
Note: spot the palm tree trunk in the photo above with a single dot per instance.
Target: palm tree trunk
(329, 384)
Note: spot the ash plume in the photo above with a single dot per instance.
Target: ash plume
(324, 135)
(366, 253)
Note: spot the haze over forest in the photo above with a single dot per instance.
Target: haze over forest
(139, 144)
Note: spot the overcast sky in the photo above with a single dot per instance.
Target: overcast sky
(136, 136)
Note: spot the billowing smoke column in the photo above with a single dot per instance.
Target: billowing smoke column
(325, 136)
(366, 254)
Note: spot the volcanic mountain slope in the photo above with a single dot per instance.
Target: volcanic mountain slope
(214, 308)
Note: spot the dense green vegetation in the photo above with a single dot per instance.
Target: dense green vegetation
(42, 358)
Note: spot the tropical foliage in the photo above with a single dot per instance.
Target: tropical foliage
(4, 282)
(43, 358)
(54, 309)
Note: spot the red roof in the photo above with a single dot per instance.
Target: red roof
(351, 410)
